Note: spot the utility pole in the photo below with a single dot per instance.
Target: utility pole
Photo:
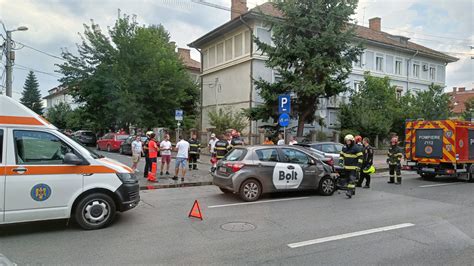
(10, 55)
(8, 66)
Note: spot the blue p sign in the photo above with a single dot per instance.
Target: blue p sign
(284, 104)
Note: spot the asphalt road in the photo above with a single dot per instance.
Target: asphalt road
(420, 222)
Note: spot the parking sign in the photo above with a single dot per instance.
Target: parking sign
(284, 103)
(178, 115)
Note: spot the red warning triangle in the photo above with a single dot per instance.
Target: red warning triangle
(195, 211)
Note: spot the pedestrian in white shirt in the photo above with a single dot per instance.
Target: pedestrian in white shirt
(292, 141)
(182, 147)
(281, 141)
(165, 148)
(212, 146)
(137, 150)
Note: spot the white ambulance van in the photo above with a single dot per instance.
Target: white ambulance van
(46, 175)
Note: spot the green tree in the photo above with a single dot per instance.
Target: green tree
(31, 95)
(370, 111)
(59, 114)
(313, 51)
(469, 109)
(223, 120)
(130, 76)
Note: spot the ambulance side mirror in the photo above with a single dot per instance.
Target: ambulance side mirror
(71, 158)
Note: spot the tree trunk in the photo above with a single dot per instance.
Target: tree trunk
(301, 122)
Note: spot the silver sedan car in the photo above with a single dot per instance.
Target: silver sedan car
(254, 170)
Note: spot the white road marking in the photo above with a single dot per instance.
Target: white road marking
(255, 202)
(349, 235)
(439, 185)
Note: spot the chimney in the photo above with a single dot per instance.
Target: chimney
(238, 8)
(375, 24)
(184, 53)
(455, 89)
(462, 89)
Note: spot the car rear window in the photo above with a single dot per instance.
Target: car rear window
(122, 137)
(235, 155)
(267, 155)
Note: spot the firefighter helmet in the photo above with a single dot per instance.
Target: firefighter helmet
(349, 137)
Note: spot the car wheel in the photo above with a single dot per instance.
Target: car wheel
(225, 191)
(327, 186)
(250, 190)
(109, 149)
(95, 211)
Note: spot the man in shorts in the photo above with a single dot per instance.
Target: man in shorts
(137, 151)
(165, 148)
(182, 147)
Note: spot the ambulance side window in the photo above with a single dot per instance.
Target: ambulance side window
(295, 156)
(39, 148)
(1, 145)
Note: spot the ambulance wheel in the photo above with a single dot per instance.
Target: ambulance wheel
(109, 149)
(225, 191)
(250, 190)
(327, 186)
(95, 211)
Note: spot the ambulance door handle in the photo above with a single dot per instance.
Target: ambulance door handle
(20, 170)
(291, 167)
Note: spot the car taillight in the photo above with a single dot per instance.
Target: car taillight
(450, 171)
(235, 167)
(330, 161)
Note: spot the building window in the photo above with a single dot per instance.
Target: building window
(264, 35)
(212, 56)
(220, 53)
(416, 70)
(248, 41)
(358, 62)
(228, 49)
(205, 59)
(357, 86)
(276, 76)
(379, 63)
(398, 66)
(432, 73)
(332, 118)
(238, 40)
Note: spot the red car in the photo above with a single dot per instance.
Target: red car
(111, 141)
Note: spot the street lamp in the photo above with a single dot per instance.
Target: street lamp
(9, 55)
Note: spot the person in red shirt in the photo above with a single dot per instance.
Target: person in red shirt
(152, 152)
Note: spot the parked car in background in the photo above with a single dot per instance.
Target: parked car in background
(126, 146)
(111, 141)
(331, 149)
(85, 137)
(329, 160)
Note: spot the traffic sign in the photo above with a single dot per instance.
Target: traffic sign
(284, 120)
(178, 115)
(284, 103)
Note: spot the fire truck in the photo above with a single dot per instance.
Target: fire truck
(440, 148)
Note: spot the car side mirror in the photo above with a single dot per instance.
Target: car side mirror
(71, 158)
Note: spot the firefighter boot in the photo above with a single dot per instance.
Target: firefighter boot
(392, 180)
(399, 180)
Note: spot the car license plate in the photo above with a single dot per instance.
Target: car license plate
(429, 170)
(411, 163)
(222, 170)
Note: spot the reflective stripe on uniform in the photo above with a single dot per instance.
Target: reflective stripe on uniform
(349, 155)
(348, 167)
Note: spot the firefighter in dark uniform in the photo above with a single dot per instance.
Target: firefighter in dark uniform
(222, 147)
(367, 165)
(194, 151)
(351, 159)
(145, 153)
(394, 161)
(236, 140)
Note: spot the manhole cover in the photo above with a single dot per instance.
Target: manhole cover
(238, 227)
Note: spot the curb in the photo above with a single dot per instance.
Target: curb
(163, 186)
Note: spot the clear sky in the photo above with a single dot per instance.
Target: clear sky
(444, 25)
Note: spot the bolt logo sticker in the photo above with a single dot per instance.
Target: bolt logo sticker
(286, 176)
(40, 192)
(428, 150)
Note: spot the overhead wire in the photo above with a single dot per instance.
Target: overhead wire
(40, 51)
